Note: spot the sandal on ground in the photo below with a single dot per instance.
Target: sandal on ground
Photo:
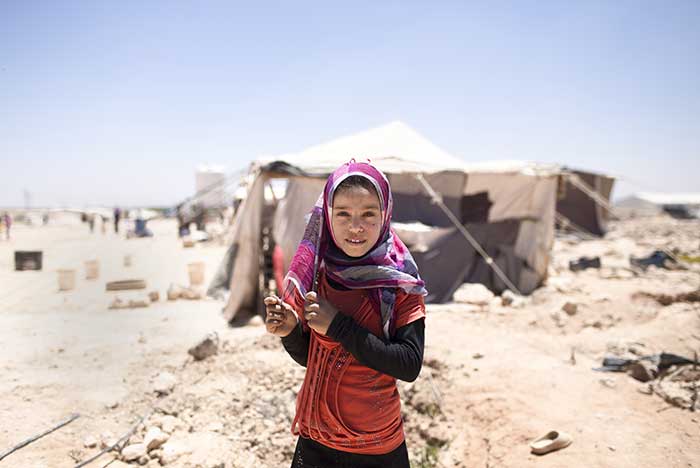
(553, 440)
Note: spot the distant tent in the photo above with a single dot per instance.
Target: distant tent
(508, 207)
(679, 205)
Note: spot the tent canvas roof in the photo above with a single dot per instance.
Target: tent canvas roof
(396, 148)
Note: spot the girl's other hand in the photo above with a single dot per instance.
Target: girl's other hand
(280, 318)
(319, 312)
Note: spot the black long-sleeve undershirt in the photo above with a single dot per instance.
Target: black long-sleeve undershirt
(401, 357)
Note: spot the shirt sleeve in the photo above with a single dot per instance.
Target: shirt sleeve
(400, 357)
(297, 344)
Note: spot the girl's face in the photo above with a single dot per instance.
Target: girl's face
(356, 220)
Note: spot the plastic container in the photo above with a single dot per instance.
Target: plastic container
(66, 280)
(92, 269)
(196, 272)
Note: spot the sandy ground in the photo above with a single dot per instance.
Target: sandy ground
(495, 376)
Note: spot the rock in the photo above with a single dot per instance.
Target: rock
(559, 319)
(205, 348)
(170, 423)
(112, 404)
(215, 426)
(107, 439)
(174, 292)
(192, 293)
(561, 283)
(608, 382)
(473, 293)
(509, 298)
(90, 442)
(570, 308)
(134, 452)
(644, 371)
(154, 438)
(172, 451)
(164, 383)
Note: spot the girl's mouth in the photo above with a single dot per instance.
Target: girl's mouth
(355, 241)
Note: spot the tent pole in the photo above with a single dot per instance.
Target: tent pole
(437, 199)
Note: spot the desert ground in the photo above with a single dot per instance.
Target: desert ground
(495, 376)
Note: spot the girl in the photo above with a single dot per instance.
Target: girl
(353, 314)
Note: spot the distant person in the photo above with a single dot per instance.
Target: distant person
(45, 219)
(7, 220)
(117, 217)
(91, 222)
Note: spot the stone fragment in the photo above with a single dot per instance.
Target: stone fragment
(473, 293)
(164, 383)
(134, 452)
(205, 348)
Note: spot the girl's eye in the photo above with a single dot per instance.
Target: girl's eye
(369, 214)
(342, 213)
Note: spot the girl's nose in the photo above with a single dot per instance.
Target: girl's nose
(356, 225)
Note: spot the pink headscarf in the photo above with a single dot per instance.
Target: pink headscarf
(387, 266)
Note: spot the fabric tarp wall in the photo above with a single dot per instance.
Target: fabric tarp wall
(239, 270)
(530, 198)
(579, 208)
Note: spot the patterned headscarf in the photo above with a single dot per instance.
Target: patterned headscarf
(387, 266)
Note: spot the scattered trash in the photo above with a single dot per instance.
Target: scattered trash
(658, 258)
(154, 296)
(584, 263)
(92, 269)
(66, 280)
(195, 271)
(123, 285)
(553, 440)
(118, 303)
(644, 371)
(175, 291)
(205, 348)
(667, 299)
(127, 260)
(661, 361)
(28, 260)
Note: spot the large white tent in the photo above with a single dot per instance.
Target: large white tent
(491, 198)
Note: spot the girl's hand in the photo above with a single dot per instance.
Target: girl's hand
(280, 319)
(319, 312)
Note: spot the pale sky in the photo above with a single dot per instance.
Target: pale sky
(118, 102)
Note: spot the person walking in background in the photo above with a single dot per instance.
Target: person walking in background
(352, 312)
(7, 220)
(117, 217)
